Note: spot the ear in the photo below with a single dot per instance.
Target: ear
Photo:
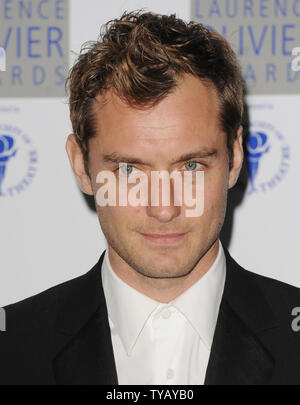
(237, 158)
(77, 163)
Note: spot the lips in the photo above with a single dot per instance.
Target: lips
(164, 238)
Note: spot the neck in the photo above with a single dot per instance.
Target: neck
(164, 289)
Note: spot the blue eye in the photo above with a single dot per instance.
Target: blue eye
(126, 169)
(191, 165)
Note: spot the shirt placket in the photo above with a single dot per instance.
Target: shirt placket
(167, 327)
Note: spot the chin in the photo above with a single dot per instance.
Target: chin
(161, 266)
(162, 273)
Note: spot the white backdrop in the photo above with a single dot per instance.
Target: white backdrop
(47, 233)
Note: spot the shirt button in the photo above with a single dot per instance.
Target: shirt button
(170, 373)
(166, 314)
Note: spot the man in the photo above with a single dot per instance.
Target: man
(165, 304)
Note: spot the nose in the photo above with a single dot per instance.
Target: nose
(161, 205)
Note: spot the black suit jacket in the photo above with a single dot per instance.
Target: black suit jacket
(62, 335)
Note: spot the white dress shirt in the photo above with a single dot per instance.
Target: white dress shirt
(163, 343)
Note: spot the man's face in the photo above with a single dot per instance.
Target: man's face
(185, 122)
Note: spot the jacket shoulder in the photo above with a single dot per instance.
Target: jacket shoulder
(32, 312)
(281, 297)
(277, 289)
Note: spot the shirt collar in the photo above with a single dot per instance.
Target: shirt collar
(129, 310)
(200, 303)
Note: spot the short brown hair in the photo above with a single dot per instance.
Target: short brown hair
(140, 57)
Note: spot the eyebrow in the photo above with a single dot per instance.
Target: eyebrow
(117, 158)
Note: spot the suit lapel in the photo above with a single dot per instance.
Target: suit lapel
(82, 346)
(237, 356)
(243, 349)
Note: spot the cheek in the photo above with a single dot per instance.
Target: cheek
(117, 218)
(215, 194)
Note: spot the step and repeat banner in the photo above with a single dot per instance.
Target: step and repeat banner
(48, 233)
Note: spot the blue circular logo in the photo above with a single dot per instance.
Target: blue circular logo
(268, 157)
(18, 161)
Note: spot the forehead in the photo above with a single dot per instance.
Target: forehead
(190, 113)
